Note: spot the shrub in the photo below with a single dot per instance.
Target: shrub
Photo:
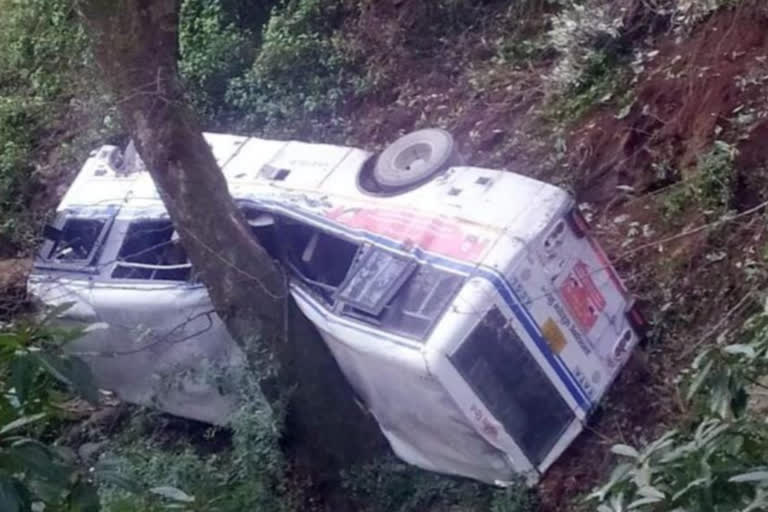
(44, 64)
(301, 68)
(579, 33)
(388, 485)
(248, 474)
(710, 188)
(718, 463)
(34, 379)
(214, 50)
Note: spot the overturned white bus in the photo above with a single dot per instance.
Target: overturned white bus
(469, 308)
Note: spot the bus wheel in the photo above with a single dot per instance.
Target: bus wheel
(415, 158)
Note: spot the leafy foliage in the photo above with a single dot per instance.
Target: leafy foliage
(301, 67)
(719, 464)
(32, 372)
(250, 474)
(213, 51)
(710, 188)
(44, 63)
(389, 485)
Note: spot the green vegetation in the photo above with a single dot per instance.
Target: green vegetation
(305, 68)
(392, 486)
(716, 461)
(44, 69)
(35, 382)
(302, 67)
(709, 189)
(248, 472)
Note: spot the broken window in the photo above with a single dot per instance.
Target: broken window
(503, 373)
(319, 259)
(151, 250)
(416, 305)
(262, 226)
(376, 280)
(73, 242)
(76, 240)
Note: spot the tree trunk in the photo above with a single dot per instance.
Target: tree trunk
(135, 45)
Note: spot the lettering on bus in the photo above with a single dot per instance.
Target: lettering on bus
(585, 383)
(486, 426)
(565, 320)
(563, 317)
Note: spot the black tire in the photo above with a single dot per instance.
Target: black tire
(415, 158)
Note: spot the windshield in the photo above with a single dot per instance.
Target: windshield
(501, 371)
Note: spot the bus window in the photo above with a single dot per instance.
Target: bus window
(151, 251)
(417, 305)
(317, 258)
(501, 371)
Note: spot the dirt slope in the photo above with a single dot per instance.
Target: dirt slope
(629, 168)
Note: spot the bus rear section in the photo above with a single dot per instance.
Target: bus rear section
(580, 306)
(552, 333)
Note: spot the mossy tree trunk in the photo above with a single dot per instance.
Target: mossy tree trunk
(135, 44)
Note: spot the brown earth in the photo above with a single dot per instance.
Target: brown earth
(693, 88)
(712, 85)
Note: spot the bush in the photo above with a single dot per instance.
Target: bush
(388, 485)
(710, 189)
(301, 68)
(248, 474)
(35, 377)
(214, 50)
(716, 463)
(44, 66)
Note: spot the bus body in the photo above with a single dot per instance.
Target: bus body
(474, 316)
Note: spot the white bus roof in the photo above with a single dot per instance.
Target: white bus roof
(484, 202)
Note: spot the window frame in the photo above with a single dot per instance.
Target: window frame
(535, 455)
(349, 309)
(117, 263)
(307, 282)
(88, 264)
(366, 253)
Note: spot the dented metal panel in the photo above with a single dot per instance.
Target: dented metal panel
(408, 291)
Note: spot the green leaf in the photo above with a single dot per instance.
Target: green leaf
(741, 349)
(625, 450)
(699, 482)
(7, 411)
(643, 501)
(701, 376)
(752, 476)
(84, 498)
(172, 493)
(21, 422)
(10, 341)
(72, 371)
(650, 492)
(23, 372)
(12, 496)
(38, 460)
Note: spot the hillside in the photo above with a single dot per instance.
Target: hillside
(654, 114)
